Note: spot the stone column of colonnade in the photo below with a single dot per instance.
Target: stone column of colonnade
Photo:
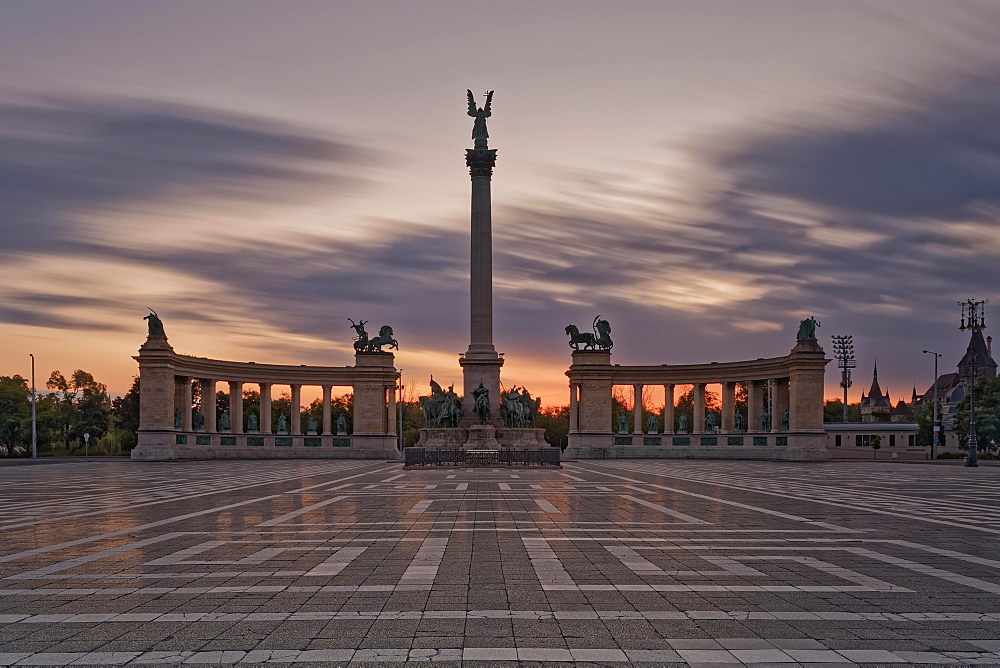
(265, 408)
(391, 411)
(327, 416)
(754, 404)
(779, 402)
(637, 409)
(236, 406)
(668, 409)
(188, 400)
(574, 420)
(728, 407)
(699, 409)
(209, 403)
(178, 401)
(296, 417)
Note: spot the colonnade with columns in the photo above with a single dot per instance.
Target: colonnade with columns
(172, 427)
(769, 395)
(185, 408)
(793, 383)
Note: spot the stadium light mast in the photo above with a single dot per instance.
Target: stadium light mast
(843, 350)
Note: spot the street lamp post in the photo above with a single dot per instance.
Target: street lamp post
(399, 403)
(843, 350)
(973, 312)
(936, 424)
(34, 424)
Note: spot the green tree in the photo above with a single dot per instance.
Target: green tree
(79, 405)
(125, 412)
(833, 411)
(987, 416)
(413, 422)
(923, 415)
(15, 413)
(555, 421)
(876, 443)
(222, 403)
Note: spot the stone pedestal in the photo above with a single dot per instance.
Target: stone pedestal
(474, 437)
(481, 437)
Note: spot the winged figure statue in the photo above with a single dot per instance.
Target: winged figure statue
(481, 114)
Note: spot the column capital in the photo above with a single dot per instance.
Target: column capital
(480, 161)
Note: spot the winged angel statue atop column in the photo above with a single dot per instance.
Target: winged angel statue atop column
(479, 132)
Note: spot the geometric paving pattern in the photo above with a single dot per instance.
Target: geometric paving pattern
(602, 562)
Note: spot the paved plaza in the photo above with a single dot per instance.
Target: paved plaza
(658, 562)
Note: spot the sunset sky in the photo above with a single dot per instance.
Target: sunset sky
(702, 174)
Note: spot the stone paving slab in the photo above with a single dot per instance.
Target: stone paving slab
(601, 563)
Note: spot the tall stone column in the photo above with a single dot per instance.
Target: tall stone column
(265, 408)
(754, 405)
(236, 406)
(209, 404)
(668, 409)
(186, 415)
(699, 409)
(481, 363)
(391, 412)
(327, 417)
(296, 410)
(637, 409)
(728, 406)
(574, 420)
(779, 402)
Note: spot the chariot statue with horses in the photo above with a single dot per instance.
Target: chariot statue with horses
(600, 339)
(363, 344)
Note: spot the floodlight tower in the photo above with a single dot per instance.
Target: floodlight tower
(973, 318)
(843, 350)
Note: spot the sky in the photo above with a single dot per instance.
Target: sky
(702, 174)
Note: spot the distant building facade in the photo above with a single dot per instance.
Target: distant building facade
(878, 407)
(977, 363)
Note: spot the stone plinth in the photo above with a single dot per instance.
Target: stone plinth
(481, 437)
(485, 369)
(455, 439)
(522, 439)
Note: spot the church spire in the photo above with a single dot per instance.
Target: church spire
(875, 390)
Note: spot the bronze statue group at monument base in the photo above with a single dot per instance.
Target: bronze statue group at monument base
(485, 417)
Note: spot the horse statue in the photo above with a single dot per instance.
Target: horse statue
(361, 343)
(599, 340)
(511, 409)
(529, 407)
(384, 338)
(442, 408)
(576, 337)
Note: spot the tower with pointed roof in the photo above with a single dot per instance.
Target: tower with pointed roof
(875, 406)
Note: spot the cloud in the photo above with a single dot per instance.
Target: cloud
(66, 161)
(875, 223)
